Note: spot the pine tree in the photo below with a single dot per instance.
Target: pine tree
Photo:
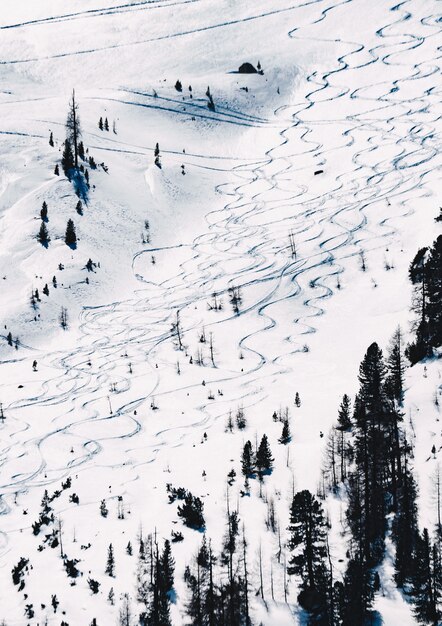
(394, 383)
(425, 586)
(100, 123)
(405, 529)
(191, 512)
(81, 151)
(344, 419)
(110, 565)
(44, 212)
(308, 561)
(67, 159)
(167, 568)
(264, 459)
(57, 170)
(285, 435)
(357, 594)
(43, 235)
(70, 236)
(434, 308)
(178, 86)
(51, 140)
(106, 124)
(247, 460)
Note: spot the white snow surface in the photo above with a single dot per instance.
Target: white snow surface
(351, 88)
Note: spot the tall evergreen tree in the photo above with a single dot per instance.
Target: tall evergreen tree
(67, 159)
(264, 459)
(110, 565)
(357, 594)
(394, 383)
(44, 212)
(308, 560)
(405, 528)
(247, 460)
(426, 586)
(70, 236)
(43, 235)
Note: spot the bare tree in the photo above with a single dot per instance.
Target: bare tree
(73, 126)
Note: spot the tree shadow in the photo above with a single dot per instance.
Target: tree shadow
(80, 185)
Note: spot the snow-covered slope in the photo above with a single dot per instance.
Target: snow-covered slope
(336, 142)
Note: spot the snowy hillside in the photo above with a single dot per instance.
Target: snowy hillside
(238, 241)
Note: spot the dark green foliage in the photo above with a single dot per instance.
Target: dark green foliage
(426, 275)
(44, 212)
(247, 460)
(160, 588)
(394, 383)
(43, 235)
(307, 543)
(426, 589)
(357, 594)
(264, 459)
(81, 151)
(344, 419)
(110, 565)
(405, 529)
(285, 435)
(67, 159)
(94, 585)
(192, 512)
(70, 236)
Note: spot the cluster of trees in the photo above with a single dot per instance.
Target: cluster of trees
(369, 456)
(425, 273)
(155, 581)
(259, 462)
(219, 584)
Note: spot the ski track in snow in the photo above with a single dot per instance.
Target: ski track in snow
(334, 223)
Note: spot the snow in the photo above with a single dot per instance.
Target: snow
(348, 87)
